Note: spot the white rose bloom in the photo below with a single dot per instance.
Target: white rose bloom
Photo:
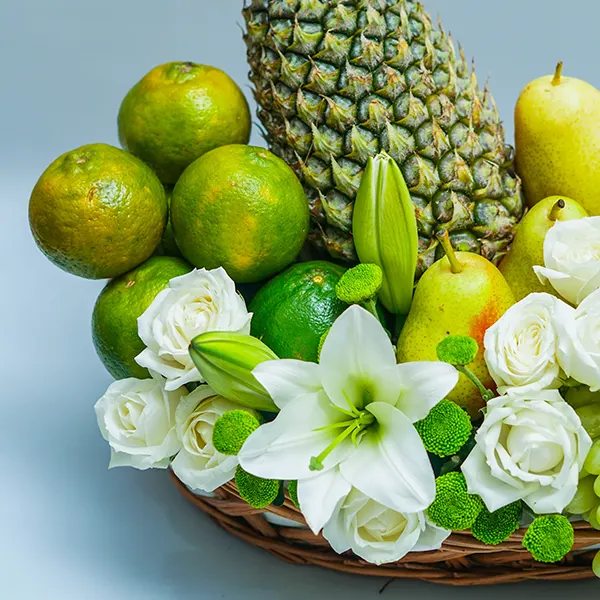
(579, 347)
(137, 418)
(194, 303)
(572, 258)
(379, 534)
(521, 349)
(529, 448)
(198, 464)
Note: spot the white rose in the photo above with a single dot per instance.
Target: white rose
(379, 534)
(521, 348)
(529, 448)
(572, 258)
(579, 347)
(194, 303)
(137, 418)
(198, 464)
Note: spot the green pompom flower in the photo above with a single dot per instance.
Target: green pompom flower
(256, 491)
(232, 430)
(549, 538)
(457, 350)
(454, 508)
(359, 284)
(293, 492)
(496, 527)
(445, 430)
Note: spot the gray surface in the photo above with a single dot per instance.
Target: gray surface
(69, 528)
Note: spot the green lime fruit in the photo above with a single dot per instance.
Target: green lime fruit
(121, 302)
(241, 208)
(293, 310)
(179, 111)
(98, 211)
(167, 246)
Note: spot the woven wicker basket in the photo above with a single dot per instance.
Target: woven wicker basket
(462, 560)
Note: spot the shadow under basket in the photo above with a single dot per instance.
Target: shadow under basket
(462, 561)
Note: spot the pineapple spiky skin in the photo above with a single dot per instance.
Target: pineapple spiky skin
(336, 81)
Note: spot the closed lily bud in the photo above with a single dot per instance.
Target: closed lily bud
(226, 361)
(385, 230)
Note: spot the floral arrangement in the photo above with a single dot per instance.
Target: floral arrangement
(364, 319)
(371, 451)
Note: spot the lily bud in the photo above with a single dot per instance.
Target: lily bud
(226, 361)
(385, 230)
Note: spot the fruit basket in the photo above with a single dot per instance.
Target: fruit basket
(462, 561)
(373, 346)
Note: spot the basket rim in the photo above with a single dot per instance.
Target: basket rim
(462, 560)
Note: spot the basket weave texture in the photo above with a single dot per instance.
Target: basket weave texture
(462, 561)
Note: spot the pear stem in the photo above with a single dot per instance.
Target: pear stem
(444, 240)
(555, 212)
(557, 74)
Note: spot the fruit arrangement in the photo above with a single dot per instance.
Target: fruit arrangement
(362, 320)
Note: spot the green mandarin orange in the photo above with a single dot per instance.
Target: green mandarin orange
(121, 302)
(241, 208)
(98, 211)
(178, 112)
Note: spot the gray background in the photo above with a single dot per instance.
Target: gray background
(69, 528)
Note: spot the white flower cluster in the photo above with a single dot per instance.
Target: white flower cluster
(532, 444)
(156, 422)
(345, 432)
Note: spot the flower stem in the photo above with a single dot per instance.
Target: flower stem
(486, 394)
(371, 306)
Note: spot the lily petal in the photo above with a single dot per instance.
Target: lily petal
(286, 379)
(356, 347)
(283, 448)
(318, 496)
(390, 464)
(424, 384)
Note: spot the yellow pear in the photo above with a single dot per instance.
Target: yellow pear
(528, 246)
(461, 294)
(557, 140)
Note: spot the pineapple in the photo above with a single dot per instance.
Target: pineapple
(338, 81)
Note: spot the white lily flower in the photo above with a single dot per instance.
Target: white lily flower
(348, 421)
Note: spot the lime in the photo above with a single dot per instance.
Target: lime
(296, 308)
(121, 302)
(179, 111)
(97, 211)
(241, 208)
